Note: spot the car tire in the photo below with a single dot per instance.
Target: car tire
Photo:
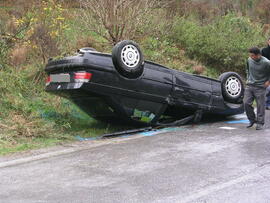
(128, 59)
(232, 87)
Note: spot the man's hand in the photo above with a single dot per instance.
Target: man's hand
(267, 83)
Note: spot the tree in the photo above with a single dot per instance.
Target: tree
(116, 20)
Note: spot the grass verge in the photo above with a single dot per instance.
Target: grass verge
(31, 118)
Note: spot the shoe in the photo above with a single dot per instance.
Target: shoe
(259, 127)
(250, 124)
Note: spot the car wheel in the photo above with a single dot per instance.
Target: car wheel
(128, 59)
(232, 87)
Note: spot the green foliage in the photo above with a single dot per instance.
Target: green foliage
(3, 41)
(43, 27)
(3, 53)
(159, 50)
(221, 44)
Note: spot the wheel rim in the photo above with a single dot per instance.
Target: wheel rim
(233, 86)
(130, 56)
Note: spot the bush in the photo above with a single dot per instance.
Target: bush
(42, 28)
(222, 44)
(3, 53)
(3, 39)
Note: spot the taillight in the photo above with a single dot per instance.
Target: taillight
(82, 77)
(48, 81)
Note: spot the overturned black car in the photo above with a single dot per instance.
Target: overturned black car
(124, 87)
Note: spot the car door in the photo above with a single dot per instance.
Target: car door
(192, 89)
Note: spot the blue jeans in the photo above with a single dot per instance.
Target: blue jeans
(267, 104)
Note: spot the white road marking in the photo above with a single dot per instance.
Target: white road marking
(227, 128)
(239, 116)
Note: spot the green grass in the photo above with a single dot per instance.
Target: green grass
(30, 118)
(28, 144)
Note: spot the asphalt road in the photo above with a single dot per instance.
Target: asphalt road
(211, 162)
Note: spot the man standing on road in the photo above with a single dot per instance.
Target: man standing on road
(258, 78)
(266, 54)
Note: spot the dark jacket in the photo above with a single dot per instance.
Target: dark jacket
(266, 52)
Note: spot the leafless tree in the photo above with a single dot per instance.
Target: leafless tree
(116, 20)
